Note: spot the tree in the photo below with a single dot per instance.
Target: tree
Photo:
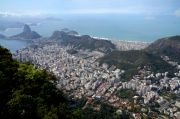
(27, 93)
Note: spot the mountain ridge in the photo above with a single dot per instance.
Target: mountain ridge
(151, 56)
(169, 46)
(83, 42)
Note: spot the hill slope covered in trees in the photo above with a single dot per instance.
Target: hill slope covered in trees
(150, 56)
(169, 46)
(27, 93)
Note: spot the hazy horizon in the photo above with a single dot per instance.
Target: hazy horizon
(143, 20)
(148, 8)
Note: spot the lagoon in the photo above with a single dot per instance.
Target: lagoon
(13, 45)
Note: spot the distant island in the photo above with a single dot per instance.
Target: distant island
(5, 24)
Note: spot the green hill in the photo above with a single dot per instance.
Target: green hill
(27, 93)
(169, 46)
(83, 42)
(131, 60)
(151, 56)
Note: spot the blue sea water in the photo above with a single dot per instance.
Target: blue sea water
(112, 26)
(13, 45)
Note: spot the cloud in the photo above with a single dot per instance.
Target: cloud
(103, 11)
(177, 13)
(21, 14)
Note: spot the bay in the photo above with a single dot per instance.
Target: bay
(112, 26)
(13, 45)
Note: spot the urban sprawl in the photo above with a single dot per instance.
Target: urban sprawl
(80, 75)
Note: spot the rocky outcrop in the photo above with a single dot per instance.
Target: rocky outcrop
(26, 34)
(72, 32)
(58, 35)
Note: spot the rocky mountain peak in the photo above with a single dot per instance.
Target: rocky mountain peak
(26, 34)
(26, 29)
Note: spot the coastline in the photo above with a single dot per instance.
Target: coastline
(120, 40)
(116, 40)
(121, 45)
(95, 37)
(13, 45)
(124, 45)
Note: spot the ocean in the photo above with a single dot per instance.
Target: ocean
(112, 26)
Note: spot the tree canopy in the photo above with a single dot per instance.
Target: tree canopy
(27, 93)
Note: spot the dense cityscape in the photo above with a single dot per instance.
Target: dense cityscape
(81, 75)
(90, 59)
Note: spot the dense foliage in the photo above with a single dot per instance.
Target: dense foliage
(72, 51)
(150, 56)
(27, 93)
(84, 42)
(169, 46)
(30, 93)
(126, 94)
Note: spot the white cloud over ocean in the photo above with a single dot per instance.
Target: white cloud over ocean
(177, 13)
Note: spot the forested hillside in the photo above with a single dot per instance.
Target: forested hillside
(27, 93)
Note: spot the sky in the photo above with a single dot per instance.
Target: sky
(148, 8)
